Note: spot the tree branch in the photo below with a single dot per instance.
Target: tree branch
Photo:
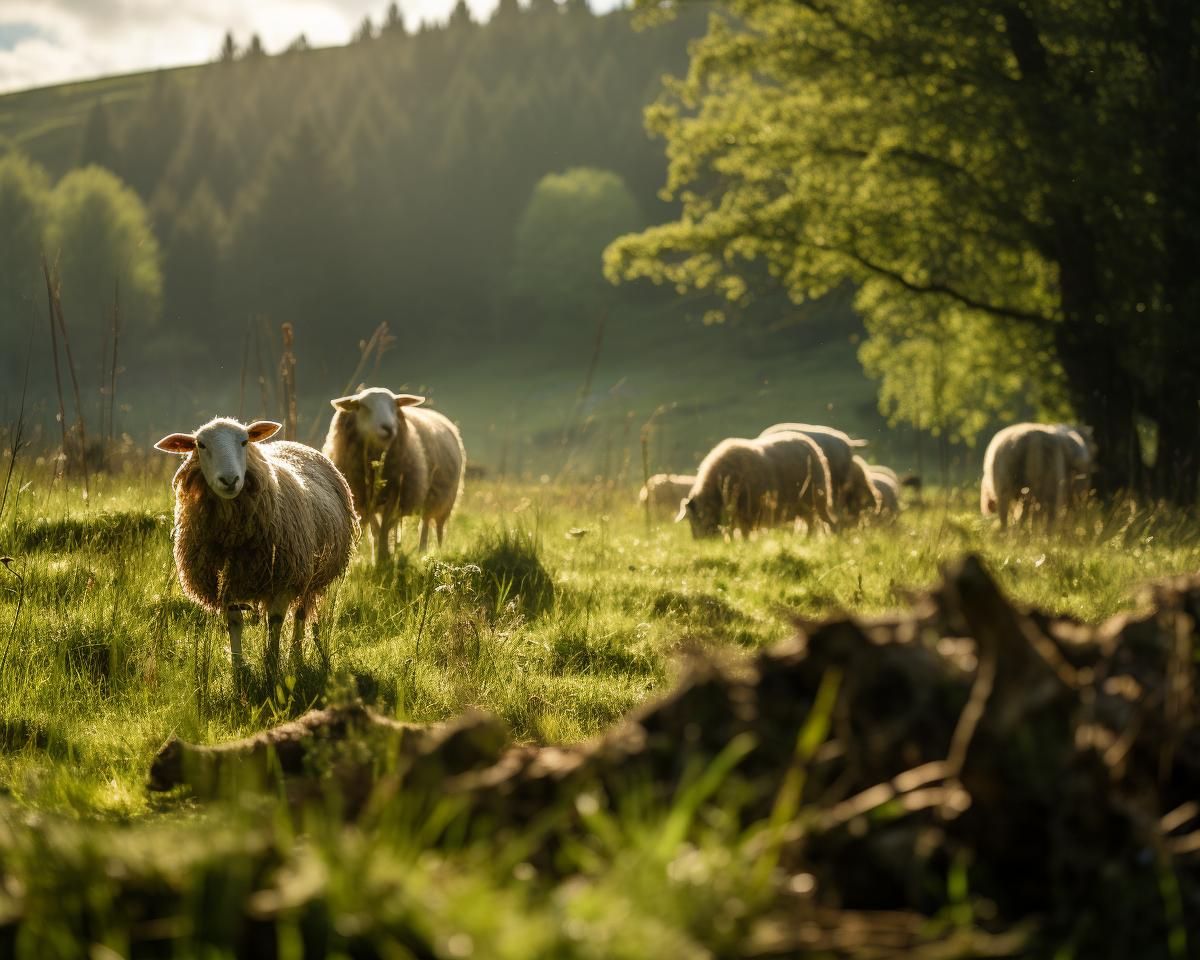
(937, 289)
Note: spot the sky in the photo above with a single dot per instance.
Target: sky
(51, 41)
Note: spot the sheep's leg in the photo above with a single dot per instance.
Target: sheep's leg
(441, 526)
(373, 522)
(233, 619)
(424, 534)
(382, 547)
(276, 612)
(301, 619)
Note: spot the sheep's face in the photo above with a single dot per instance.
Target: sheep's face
(860, 496)
(377, 413)
(220, 447)
(702, 514)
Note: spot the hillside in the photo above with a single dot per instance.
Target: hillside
(394, 181)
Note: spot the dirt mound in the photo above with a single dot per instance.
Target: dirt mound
(1051, 767)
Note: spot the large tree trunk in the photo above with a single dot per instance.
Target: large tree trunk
(1102, 391)
(1172, 41)
(1176, 474)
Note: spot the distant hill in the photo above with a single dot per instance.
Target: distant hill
(340, 188)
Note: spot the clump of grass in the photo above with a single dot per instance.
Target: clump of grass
(698, 608)
(510, 569)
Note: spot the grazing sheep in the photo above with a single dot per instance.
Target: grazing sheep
(853, 494)
(745, 484)
(1080, 448)
(397, 461)
(664, 491)
(887, 488)
(257, 524)
(1034, 465)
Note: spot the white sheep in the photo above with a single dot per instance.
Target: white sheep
(398, 460)
(258, 524)
(853, 494)
(664, 491)
(746, 484)
(887, 488)
(1042, 467)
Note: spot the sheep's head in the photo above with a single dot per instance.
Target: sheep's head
(377, 413)
(220, 446)
(860, 495)
(702, 513)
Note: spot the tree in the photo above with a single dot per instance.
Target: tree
(152, 135)
(101, 233)
(365, 32)
(96, 146)
(507, 11)
(289, 250)
(393, 22)
(460, 16)
(24, 200)
(229, 51)
(254, 49)
(560, 240)
(192, 262)
(1003, 170)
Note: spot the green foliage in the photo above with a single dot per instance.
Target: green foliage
(561, 236)
(955, 371)
(24, 208)
(1012, 173)
(193, 258)
(101, 234)
(97, 148)
(402, 205)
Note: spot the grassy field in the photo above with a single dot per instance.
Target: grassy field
(553, 605)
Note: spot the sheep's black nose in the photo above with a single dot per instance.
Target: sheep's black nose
(229, 482)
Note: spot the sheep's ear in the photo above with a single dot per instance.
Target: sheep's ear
(261, 430)
(176, 443)
(408, 400)
(684, 505)
(347, 404)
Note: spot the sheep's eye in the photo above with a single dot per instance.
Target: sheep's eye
(244, 443)
(200, 445)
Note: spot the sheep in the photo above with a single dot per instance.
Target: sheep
(664, 491)
(397, 461)
(1080, 448)
(1036, 465)
(755, 483)
(887, 488)
(258, 524)
(853, 494)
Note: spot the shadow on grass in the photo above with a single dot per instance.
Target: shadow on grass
(99, 530)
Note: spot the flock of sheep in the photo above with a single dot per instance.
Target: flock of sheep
(790, 473)
(270, 526)
(802, 472)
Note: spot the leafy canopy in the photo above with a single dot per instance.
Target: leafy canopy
(561, 237)
(101, 232)
(906, 148)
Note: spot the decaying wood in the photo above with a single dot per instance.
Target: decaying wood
(1060, 760)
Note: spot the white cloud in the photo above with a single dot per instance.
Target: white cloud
(52, 41)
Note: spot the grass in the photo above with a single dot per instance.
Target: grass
(553, 605)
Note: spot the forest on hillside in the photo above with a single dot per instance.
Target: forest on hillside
(458, 182)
